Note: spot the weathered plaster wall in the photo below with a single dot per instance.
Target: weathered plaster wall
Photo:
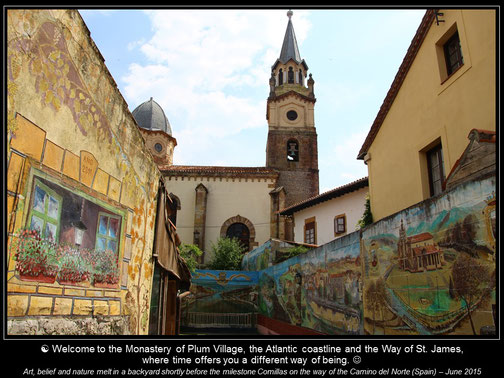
(227, 197)
(69, 124)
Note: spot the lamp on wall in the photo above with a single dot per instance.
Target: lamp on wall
(79, 229)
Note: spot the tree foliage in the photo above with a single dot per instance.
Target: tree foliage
(190, 253)
(367, 216)
(291, 252)
(228, 254)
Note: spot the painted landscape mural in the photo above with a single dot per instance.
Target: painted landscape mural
(320, 289)
(431, 268)
(428, 270)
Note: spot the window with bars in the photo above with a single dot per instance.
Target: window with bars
(435, 166)
(453, 54)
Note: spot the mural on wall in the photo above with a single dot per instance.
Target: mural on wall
(320, 289)
(436, 273)
(75, 238)
(258, 258)
(217, 293)
(271, 252)
(57, 78)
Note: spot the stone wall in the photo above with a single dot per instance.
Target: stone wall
(70, 326)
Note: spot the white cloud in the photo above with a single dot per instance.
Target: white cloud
(342, 158)
(200, 67)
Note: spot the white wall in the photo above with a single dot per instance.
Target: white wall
(226, 198)
(351, 204)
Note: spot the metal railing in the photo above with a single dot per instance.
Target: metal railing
(219, 320)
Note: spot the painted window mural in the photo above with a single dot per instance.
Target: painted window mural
(46, 211)
(69, 235)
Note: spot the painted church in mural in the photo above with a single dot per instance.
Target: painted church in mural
(435, 274)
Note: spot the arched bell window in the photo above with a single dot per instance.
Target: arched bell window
(301, 77)
(292, 150)
(290, 76)
(280, 77)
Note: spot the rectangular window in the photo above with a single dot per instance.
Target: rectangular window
(81, 227)
(339, 224)
(435, 166)
(107, 232)
(45, 212)
(453, 54)
(309, 231)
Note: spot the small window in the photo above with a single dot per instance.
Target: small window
(453, 54)
(292, 150)
(301, 81)
(435, 166)
(45, 212)
(107, 233)
(158, 147)
(309, 231)
(339, 224)
(292, 115)
(280, 77)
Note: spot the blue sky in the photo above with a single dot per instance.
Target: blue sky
(209, 70)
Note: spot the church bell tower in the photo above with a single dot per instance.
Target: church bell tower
(292, 139)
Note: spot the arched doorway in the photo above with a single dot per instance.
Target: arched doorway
(240, 232)
(241, 228)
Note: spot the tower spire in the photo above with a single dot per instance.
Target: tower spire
(290, 48)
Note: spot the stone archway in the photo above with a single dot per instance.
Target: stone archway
(246, 222)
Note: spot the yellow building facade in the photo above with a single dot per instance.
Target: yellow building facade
(445, 87)
(81, 186)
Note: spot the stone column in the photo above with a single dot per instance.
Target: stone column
(200, 217)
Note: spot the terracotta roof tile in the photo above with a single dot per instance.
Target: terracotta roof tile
(175, 170)
(333, 193)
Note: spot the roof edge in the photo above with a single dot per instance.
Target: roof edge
(326, 196)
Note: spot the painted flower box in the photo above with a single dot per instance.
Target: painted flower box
(74, 266)
(44, 274)
(106, 269)
(74, 279)
(105, 285)
(36, 258)
(107, 281)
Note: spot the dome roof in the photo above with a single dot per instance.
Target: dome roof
(151, 116)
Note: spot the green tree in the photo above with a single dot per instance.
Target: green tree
(228, 254)
(190, 253)
(291, 252)
(367, 217)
